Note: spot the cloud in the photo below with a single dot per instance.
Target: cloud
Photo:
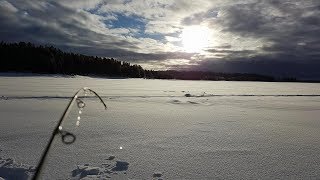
(6, 6)
(52, 23)
(80, 4)
(162, 16)
(289, 66)
(275, 21)
(270, 37)
(288, 31)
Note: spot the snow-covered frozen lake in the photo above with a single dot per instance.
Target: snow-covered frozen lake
(225, 130)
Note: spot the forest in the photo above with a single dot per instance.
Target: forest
(29, 58)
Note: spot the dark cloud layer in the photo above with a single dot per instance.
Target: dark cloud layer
(291, 29)
(287, 66)
(52, 23)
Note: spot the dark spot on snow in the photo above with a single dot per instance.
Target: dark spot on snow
(192, 102)
(176, 101)
(9, 169)
(121, 166)
(111, 157)
(157, 174)
(187, 95)
(4, 98)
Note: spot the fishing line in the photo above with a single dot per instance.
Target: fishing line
(66, 137)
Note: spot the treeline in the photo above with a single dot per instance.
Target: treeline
(26, 57)
(200, 75)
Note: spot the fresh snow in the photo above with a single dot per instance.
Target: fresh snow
(161, 129)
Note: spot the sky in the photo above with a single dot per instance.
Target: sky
(272, 37)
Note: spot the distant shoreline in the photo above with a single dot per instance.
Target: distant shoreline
(30, 74)
(26, 59)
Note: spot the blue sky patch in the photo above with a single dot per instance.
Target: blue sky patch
(124, 21)
(134, 22)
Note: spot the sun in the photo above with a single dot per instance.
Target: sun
(195, 38)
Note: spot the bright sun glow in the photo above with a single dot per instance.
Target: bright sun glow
(195, 38)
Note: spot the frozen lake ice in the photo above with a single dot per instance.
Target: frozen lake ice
(224, 130)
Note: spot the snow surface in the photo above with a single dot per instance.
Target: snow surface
(153, 129)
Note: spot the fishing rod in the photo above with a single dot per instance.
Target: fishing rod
(66, 137)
